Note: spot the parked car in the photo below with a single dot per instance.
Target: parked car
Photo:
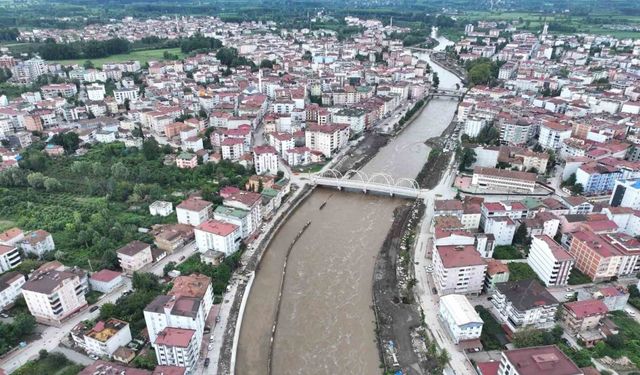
(210, 347)
(94, 357)
(94, 308)
(206, 362)
(182, 257)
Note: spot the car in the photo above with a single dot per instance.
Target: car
(210, 347)
(569, 289)
(206, 362)
(94, 308)
(217, 319)
(94, 357)
(182, 257)
(630, 312)
(4, 315)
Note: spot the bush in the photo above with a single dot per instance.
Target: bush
(506, 252)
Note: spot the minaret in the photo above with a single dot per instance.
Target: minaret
(260, 80)
(391, 22)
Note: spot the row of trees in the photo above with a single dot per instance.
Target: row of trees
(199, 43)
(483, 71)
(51, 50)
(11, 334)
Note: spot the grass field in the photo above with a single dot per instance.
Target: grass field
(143, 56)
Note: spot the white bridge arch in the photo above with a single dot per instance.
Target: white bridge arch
(377, 182)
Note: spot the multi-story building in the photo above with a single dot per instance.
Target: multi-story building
(626, 193)
(547, 360)
(265, 160)
(134, 256)
(458, 269)
(65, 90)
(354, 117)
(327, 139)
(161, 208)
(196, 286)
(497, 272)
(597, 178)
(187, 160)
(580, 316)
(177, 347)
(515, 132)
(235, 216)
(503, 179)
(10, 288)
(9, 258)
(604, 256)
(553, 134)
(524, 303)
(106, 337)
(121, 95)
(219, 236)
(193, 211)
(38, 243)
(248, 201)
(232, 148)
(461, 320)
(503, 228)
(53, 295)
(11, 237)
(615, 298)
(550, 261)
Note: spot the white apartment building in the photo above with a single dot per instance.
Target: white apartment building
(550, 261)
(626, 193)
(473, 126)
(161, 208)
(9, 258)
(502, 228)
(458, 269)
(121, 95)
(553, 134)
(38, 242)
(10, 288)
(248, 201)
(327, 139)
(219, 236)
(265, 160)
(95, 92)
(134, 256)
(232, 148)
(462, 321)
(354, 117)
(106, 337)
(53, 295)
(193, 211)
(177, 347)
(524, 303)
(236, 216)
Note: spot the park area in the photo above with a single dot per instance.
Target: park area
(143, 56)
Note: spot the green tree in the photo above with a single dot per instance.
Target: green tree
(145, 281)
(36, 180)
(151, 149)
(435, 80)
(52, 184)
(467, 159)
(520, 236)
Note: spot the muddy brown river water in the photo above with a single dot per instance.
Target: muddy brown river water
(326, 324)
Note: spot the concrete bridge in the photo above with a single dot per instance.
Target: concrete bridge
(380, 183)
(445, 93)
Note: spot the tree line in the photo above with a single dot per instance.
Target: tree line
(51, 50)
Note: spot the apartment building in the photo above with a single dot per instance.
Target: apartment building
(550, 261)
(248, 201)
(626, 193)
(177, 347)
(580, 316)
(193, 211)
(53, 295)
(327, 139)
(503, 228)
(603, 256)
(218, 236)
(458, 269)
(121, 95)
(10, 288)
(9, 258)
(547, 360)
(461, 319)
(236, 216)
(187, 160)
(38, 243)
(524, 303)
(134, 256)
(354, 117)
(265, 160)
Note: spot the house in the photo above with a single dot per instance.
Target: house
(193, 211)
(524, 303)
(550, 261)
(134, 256)
(105, 281)
(10, 288)
(161, 208)
(9, 258)
(461, 320)
(615, 298)
(218, 235)
(53, 295)
(106, 337)
(171, 237)
(547, 360)
(458, 269)
(38, 242)
(236, 216)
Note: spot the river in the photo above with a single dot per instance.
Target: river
(326, 324)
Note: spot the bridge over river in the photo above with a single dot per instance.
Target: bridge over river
(380, 183)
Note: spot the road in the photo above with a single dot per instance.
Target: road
(51, 336)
